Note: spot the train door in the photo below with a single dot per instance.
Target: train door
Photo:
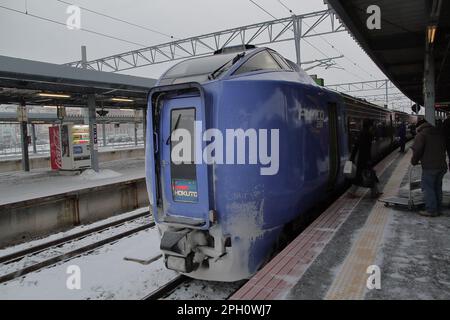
(183, 179)
(334, 157)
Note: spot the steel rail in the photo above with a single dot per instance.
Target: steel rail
(167, 288)
(74, 253)
(15, 256)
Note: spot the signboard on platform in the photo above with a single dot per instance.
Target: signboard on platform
(55, 148)
(95, 137)
(22, 114)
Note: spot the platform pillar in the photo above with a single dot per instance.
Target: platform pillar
(144, 124)
(104, 134)
(93, 146)
(23, 119)
(386, 83)
(135, 134)
(429, 87)
(33, 137)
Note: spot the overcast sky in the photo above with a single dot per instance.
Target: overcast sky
(26, 37)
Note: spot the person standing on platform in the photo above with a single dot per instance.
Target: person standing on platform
(429, 149)
(402, 136)
(365, 175)
(446, 132)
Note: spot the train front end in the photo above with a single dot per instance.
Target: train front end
(181, 188)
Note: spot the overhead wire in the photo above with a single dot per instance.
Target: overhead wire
(26, 13)
(126, 22)
(331, 45)
(119, 19)
(309, 43)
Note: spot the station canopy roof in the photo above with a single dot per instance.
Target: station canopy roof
(40, 83)
(398, 47)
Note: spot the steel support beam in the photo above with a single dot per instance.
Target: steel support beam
(387, 92)
(104, 134)
(93, 146)
(24, 139)
(33, 137)
(144, 124)
(429, 88)
(279, 30)
(84, 111)
(370, 85)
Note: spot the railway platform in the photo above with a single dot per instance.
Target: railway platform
(41, 202)
(361, 249)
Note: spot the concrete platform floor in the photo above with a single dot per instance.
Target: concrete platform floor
(18, 186)
(411, 251)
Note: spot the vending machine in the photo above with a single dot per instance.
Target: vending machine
(69, 147)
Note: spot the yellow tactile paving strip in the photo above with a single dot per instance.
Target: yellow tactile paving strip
(350, 281)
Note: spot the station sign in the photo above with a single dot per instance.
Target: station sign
(61, 112)
(55, 148)
(22, 114)
(95, 137)
(137, 114)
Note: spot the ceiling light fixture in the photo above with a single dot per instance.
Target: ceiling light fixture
(53, 95)
(431, 33)
(122, 100)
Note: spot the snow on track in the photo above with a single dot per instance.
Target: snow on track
(205, 290)
(104, 273)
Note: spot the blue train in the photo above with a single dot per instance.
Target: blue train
(221, 212)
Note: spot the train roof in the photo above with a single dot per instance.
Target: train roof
(200, 68)
(353, 100)
(228, 62)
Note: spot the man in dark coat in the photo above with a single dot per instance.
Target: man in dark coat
(429, 148)
(402, 136)
(362, 152)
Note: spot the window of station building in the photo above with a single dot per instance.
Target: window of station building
(260, 61)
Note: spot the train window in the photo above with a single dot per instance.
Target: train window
(183, 175)
(261, 61)
(281, 61)
(198, 68)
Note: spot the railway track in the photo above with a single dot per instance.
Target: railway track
(35, 250)
(166, 289)
(185, 288)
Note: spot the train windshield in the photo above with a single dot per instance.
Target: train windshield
(196, 70)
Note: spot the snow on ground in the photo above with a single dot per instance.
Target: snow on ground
(102, 174)
(19, 186)
(104, 273)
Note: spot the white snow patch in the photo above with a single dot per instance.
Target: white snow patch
(104, 274)
(20, 186)
(102, 174)
(205, 290)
